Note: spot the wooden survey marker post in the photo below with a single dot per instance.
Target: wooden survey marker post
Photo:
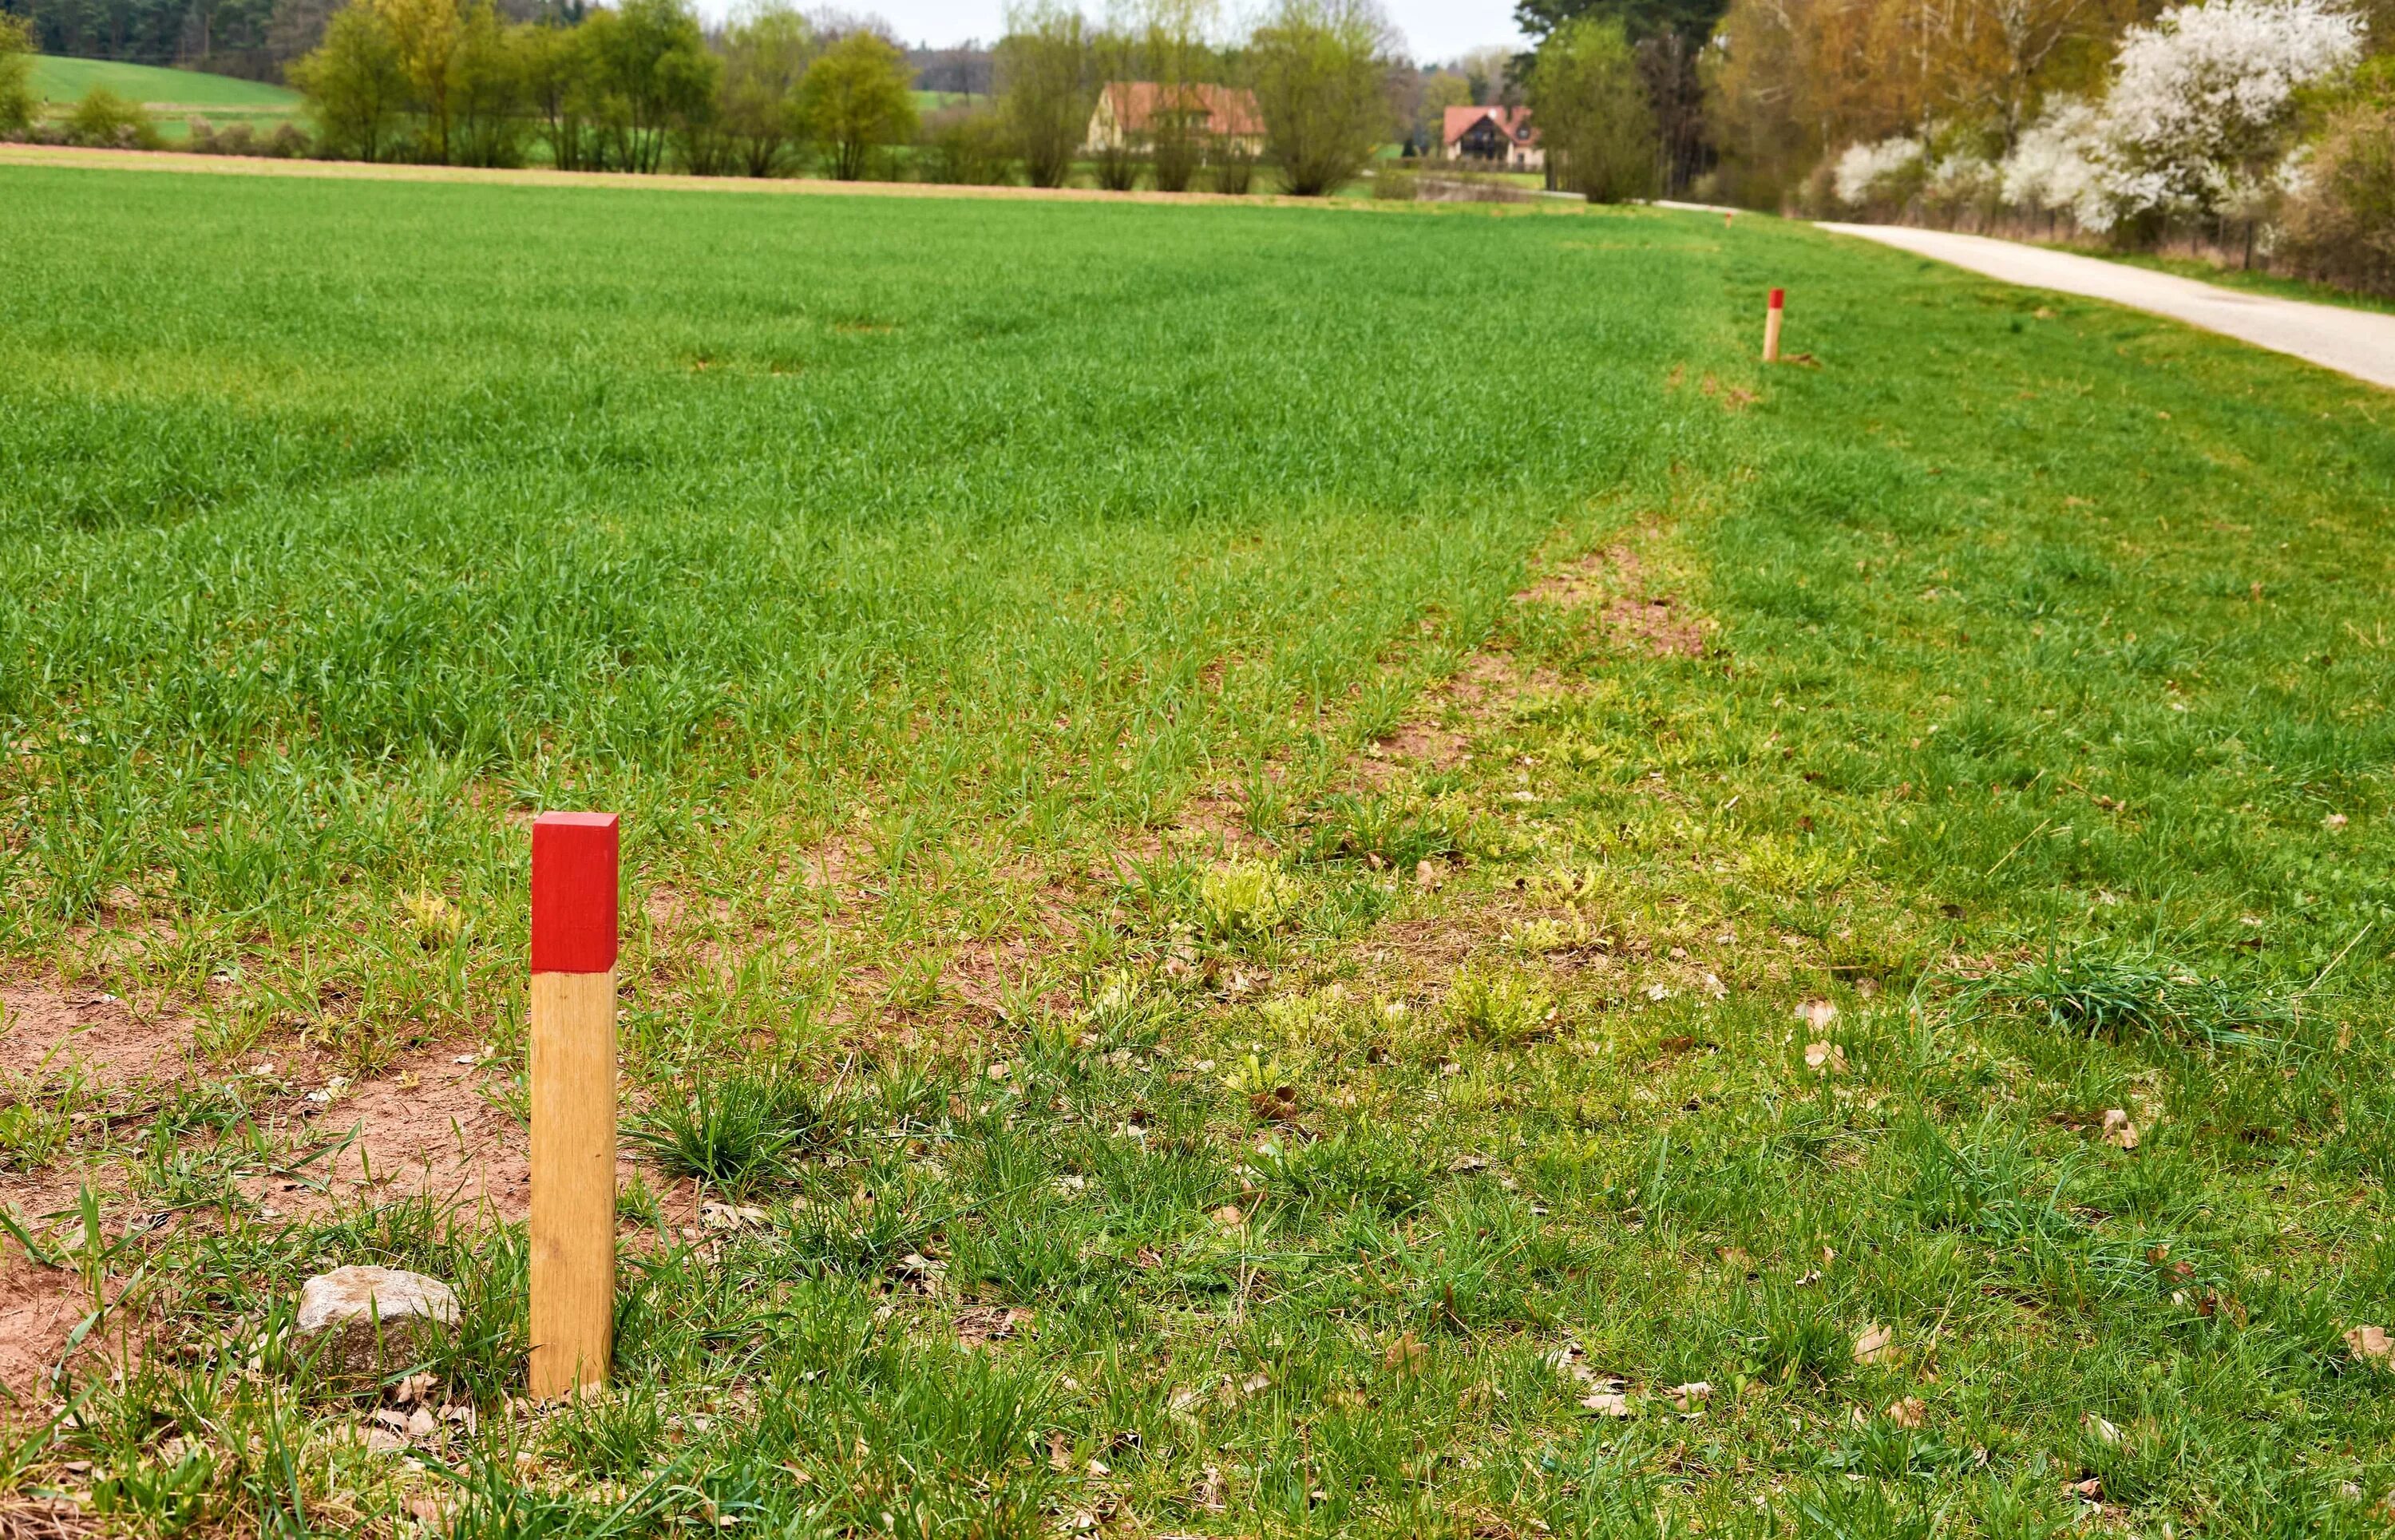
(1771, 313)
(573, 1259)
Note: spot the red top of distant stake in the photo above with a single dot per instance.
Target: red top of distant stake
(1779, 298)
(574, 892)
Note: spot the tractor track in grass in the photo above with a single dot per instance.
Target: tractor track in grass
(433, 1126)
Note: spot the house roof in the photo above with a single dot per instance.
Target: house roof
(1512, 121)
(1226, 108)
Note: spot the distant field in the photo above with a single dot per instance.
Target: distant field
(1295, 873)
(63, 80)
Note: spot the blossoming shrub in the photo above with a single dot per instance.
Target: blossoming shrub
(2200, 122)
(2202, 111)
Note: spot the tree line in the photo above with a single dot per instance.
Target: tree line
(640, 86)
(2262, 131)
(644, 87)
(254, 39)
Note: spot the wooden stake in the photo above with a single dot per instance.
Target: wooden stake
(572, 1258)
(1771, 326)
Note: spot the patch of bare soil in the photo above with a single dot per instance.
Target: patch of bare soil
(1421, 746)
(980, 974)
(425, 1130)
(1583, 581)
(1735, 398)
(1612, 579)
(1210, 824)
(39, 1309)
(1219, 824)
(1658, 625)
(44, 1031)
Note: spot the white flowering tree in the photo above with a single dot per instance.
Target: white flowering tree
(2054, 167)
(2200, 122)
(1887, 172)
(2202, 111)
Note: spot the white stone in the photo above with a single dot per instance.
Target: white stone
(372, 1321)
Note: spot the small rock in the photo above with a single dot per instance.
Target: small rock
(371, 1321)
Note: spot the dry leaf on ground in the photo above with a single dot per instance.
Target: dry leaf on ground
(1825, 1057)
(1817, 1013)
(922, 1272)
(982, 1324)
(2370, 1343)
(1907, 1412)
(2118, 1130)
(1874, 1344)
(1607, 1403)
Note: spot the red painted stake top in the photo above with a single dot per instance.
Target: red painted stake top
(574, 893)
(1779, 298)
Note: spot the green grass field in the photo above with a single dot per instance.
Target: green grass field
(174, 97)
(64, 80)
(1222, 980)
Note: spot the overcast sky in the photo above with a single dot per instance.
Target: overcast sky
(1434, 30)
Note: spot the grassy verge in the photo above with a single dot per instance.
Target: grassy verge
(2242, 278)
(1283, 930)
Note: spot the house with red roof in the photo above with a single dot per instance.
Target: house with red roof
(1131, 113)
(1495, 136)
